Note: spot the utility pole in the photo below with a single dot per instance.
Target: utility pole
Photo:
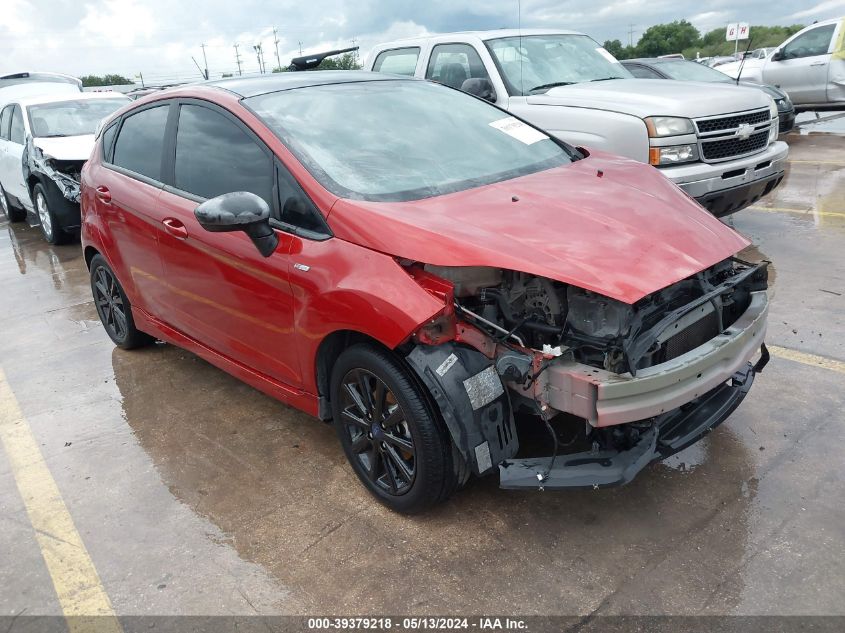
(355, 53)
(141, 75)
(257, 48)
(238, 59)
(276, 42)
(205, 61)
(631, 35)
(300, 48)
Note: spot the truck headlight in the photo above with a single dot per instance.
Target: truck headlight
(773, 109)
(660, 126)
(673, 154)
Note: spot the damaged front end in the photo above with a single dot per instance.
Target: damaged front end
(638, 382)
(65, 174)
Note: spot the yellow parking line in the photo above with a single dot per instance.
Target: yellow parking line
(77, 584)
(807, 359)
(829, 214)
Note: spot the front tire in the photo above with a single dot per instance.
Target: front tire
(114, 308)
(394, 441)
(50, 227)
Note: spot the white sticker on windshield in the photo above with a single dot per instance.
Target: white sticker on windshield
(519, 130)
(601, 51)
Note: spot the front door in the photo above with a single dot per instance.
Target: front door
(803, 65)
(220, 290)
(11, 152)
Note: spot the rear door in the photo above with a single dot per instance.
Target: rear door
(221, 291)
(128, 183)
(802, 70)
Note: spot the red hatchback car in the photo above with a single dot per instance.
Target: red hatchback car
(422, 269)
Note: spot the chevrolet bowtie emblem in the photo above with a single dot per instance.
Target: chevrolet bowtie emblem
(744, 131)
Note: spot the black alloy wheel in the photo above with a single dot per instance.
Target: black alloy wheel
(114, 308)
(378, 432)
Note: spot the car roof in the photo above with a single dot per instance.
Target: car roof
(481, 35)
(264, 84)
(69, 96)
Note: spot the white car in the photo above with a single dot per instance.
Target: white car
(809, 66)
(44, 141)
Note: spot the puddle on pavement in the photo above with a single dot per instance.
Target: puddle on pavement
(822, 122)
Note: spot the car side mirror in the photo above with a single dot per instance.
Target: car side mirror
(240, 211)
(777, 56)
(482, 88)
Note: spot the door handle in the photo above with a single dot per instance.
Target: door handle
(103, 194)
(175, 228)
(818, 63)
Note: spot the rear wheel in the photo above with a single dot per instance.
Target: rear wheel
(13, 213)
(114, 308)
(395, 443)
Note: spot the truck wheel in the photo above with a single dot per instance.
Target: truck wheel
(395, 442)
(50, 227)
(114, 308)
(13, 213)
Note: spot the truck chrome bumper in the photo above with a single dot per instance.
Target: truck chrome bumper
(730, 186)
(604, 398)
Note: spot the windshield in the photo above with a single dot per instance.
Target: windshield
(537, 63)
(403, 139)
(71, 118)
(691, 71)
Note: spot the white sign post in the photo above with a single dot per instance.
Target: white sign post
(737, 31)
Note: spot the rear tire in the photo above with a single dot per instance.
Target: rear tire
(394, 441)
(114, 308)
(14, 214)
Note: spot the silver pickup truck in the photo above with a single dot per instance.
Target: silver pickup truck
(718, 143)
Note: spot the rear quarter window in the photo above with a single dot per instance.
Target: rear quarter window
(398, 61)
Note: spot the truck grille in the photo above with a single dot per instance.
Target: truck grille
(692, 336)
(732, 122)
(726, 148)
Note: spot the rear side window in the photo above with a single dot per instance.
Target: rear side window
(5, 119)
(453, 64)
(641, 72)
(399, 61)
(215, 156)
(16, 132)
(139, 145)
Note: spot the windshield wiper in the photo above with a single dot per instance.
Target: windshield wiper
(554, 84)
(606, 78)
(55, 135)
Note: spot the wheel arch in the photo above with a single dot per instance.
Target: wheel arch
(89, 253)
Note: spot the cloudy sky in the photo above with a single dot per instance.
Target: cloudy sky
(159, 37)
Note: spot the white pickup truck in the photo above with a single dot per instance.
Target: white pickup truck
(718, 143)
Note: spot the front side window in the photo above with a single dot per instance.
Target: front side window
(814, 42)
(399, 61)
(534, 64)
(5, 120)
(215, 156)
(403, 139)
(71, 118)
(17, 134)
(453, 64)
(140, 142)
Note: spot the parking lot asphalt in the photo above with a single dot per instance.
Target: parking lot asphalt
(191, 493)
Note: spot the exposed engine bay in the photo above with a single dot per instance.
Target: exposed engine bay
(64, 173)
(559, 319)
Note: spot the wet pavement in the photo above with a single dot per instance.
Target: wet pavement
(195, 494)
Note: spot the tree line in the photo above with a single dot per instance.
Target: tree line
(105, 80)
(682, 37)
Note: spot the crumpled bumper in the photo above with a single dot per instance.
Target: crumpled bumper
(672, 432)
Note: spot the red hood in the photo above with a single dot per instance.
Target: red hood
(624, 235)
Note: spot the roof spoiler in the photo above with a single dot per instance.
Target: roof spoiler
(308, 62)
